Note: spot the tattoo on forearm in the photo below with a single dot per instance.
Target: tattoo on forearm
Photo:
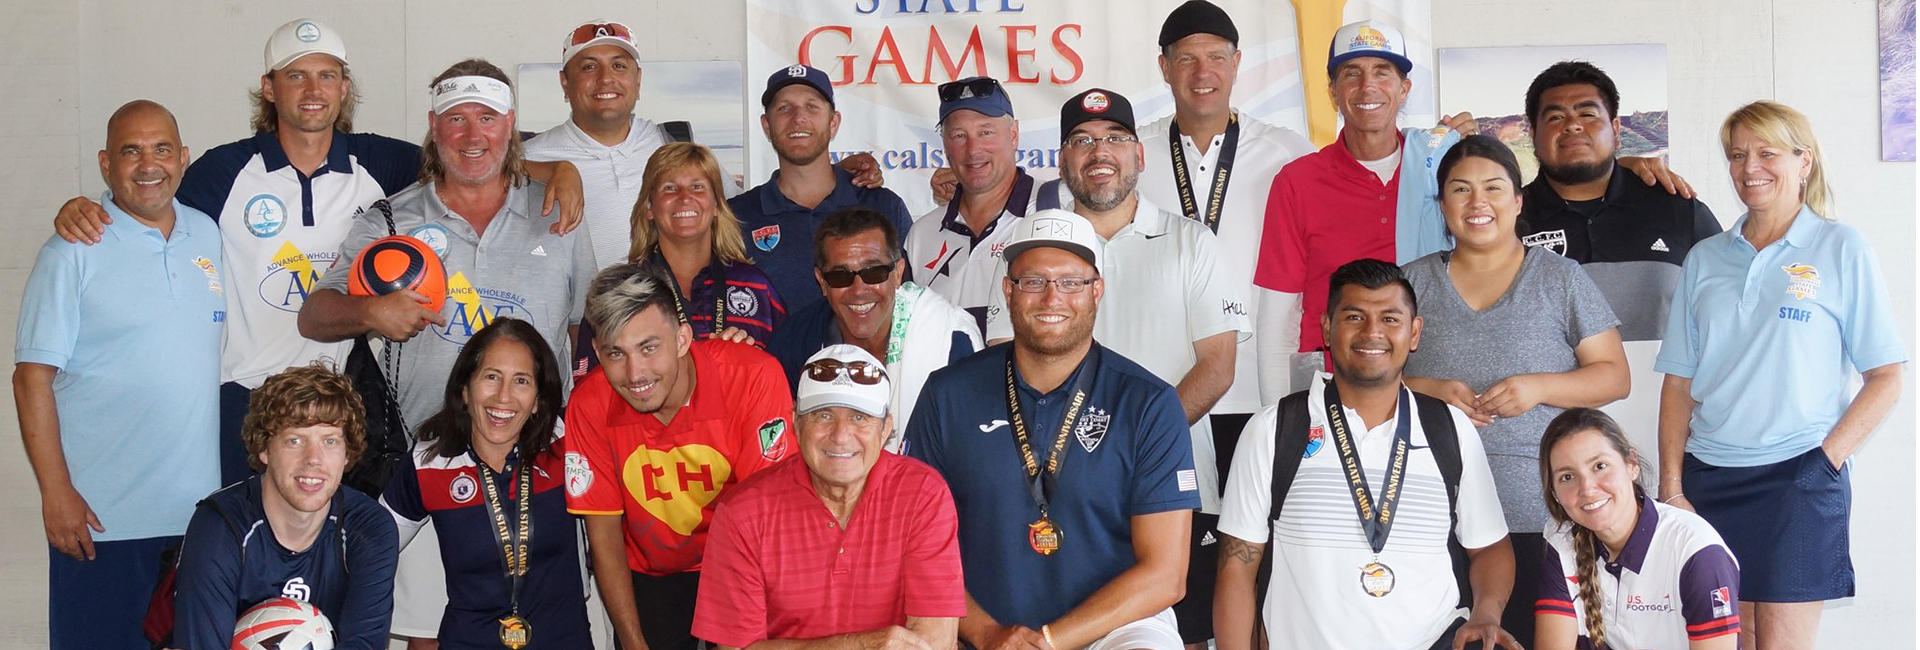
(1245, 552)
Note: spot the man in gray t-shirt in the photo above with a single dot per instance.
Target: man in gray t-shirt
(1550, 308)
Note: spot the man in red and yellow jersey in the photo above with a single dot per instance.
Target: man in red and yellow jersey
(653, 440)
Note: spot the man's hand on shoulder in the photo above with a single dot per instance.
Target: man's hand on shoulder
(865, 169)
(81, 221)
(1654, 171)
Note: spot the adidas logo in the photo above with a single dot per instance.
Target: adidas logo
(1207, 539)
(1660, 245)
(541, 251)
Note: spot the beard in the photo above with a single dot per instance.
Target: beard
(1577, 173)
(1102, 201)
(1052, 341)
(802, 155)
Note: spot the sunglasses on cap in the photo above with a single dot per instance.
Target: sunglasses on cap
(592, 31)
(981, 87)
(860, 372)
(842, 278)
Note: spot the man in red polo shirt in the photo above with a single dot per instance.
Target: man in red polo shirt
(653, 440)
(784, 568)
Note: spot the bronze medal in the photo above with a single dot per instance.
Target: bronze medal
(1376, 579)
(515, 633)
(1043, 536)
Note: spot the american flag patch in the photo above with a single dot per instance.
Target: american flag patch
(1187, 481)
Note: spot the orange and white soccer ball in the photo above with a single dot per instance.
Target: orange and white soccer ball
(285, 624)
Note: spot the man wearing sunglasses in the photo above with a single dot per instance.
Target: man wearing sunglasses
(1074, 532)
(654, 439)
(981, 137)
(858, 265)
(1171, 304)
(778, 217)
(768, 556)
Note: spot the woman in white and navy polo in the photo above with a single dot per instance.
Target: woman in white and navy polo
(1769, 321)
(1619, 570)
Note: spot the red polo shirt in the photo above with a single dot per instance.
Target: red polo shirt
(1324, 210)
(666, 477)
(782, 567)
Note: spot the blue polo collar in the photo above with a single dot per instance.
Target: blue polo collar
(1806, 227)
(1634, 554)
(274, 157)
(773, 202)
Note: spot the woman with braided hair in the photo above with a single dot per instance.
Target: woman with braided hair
(1619, 570)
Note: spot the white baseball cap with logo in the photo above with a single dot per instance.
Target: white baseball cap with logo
(301, 37)
(1059, 229)
(1368, 38)
(843, 375)
(598, 32)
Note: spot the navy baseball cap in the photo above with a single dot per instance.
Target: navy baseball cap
(981, 95)
(1096, 104)
(797, 74)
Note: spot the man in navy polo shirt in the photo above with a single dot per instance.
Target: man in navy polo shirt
(778, 217)
(1079, 540)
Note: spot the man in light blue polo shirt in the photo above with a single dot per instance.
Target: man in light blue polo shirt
(117, 377)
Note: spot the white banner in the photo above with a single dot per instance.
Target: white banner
(887, 56)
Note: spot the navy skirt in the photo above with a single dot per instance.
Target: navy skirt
(1786, 524)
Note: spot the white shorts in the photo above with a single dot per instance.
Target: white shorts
(1157, 632)
(420, 587)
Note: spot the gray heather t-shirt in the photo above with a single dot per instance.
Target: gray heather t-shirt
(1533, 328)
(517, 269)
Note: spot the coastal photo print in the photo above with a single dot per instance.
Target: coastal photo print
(1491, 83)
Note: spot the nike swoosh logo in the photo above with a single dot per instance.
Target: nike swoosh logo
(991, 426)
(1156, 236)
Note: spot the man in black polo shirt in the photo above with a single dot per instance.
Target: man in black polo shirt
(1630, 236)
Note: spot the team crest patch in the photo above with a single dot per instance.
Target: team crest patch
(741, 301)
(1722, 602)
(266, 215)
(766, 238)
(773, 441)
(307, 32)
(1316, 438)
(1802, 280)
(1553, 240)
(213, 274)
(463, 488)
(1093, 428)
(434, 236)
(579, 474)
(1095, 102)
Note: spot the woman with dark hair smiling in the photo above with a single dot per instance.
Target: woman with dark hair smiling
(487, 469)
(1512, 335)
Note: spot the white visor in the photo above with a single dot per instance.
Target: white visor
(486, 91)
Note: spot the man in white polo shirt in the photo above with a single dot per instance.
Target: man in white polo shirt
(1165, 286)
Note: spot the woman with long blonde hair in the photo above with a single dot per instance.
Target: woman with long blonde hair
(682, 222)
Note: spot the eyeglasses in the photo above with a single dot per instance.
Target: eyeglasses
(842, 278)
(1084, 141)
(981, 87)
(592, 31)
(1037, 284)
(860, 372)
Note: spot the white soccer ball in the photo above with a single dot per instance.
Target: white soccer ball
(282, 623)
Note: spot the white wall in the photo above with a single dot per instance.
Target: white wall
(65, 66)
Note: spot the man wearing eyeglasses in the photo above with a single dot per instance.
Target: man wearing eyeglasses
(878, 567)
(654, 439)
(778, 217)
(1171, 304)
(1073, 534)
(858, 265)
(981, 137)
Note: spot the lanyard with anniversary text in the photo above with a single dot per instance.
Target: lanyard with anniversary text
(717, 276)
(514, 630)
(1042, 534)
(1222, 169)
(1376, 518)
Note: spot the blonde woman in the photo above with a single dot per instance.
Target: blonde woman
(1618, 570)
(682, 223)
(1757, 420)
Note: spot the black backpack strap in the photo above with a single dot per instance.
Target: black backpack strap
(1443, 441)
(1289, 445)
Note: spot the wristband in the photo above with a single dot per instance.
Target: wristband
(1669, 500)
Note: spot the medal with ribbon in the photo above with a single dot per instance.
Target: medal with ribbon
(1376, 518)
(1043, 535)
(1223, 168)
(515, 632)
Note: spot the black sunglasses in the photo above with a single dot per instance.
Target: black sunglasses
(842, 278)
(982, 87)
(861, 372)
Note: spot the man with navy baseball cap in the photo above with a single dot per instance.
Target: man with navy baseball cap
(778, 217)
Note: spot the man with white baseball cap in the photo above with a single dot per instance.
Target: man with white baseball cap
(762, 580)
(476, 190)
(1092, 553)
(284, 198)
